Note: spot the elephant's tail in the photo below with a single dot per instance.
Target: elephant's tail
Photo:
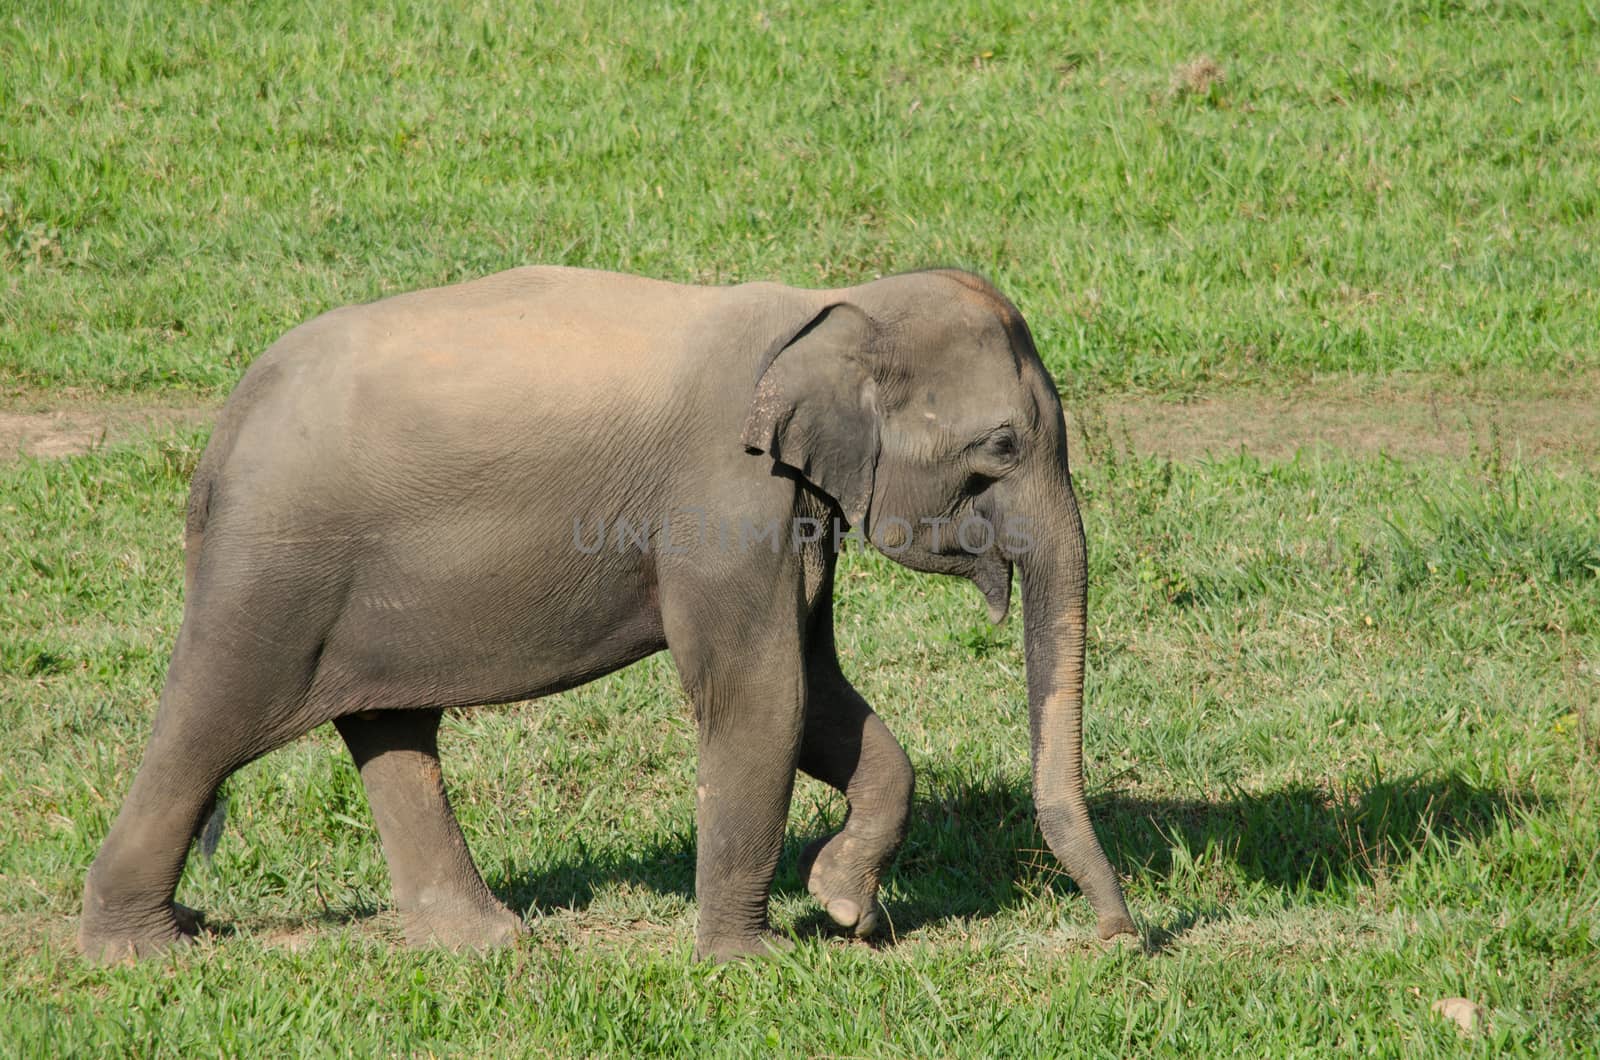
(210, 830)
(194, 523)
(199, 510)
(203, 488)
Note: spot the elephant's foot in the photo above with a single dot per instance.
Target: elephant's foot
(491, 927)
(1116, 927)
(719, 948)
(842, 873)
(103, 941)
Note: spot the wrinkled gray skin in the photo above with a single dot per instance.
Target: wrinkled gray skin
(383, 526)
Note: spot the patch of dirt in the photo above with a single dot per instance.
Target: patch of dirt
(66, 425)
(1198, 76)
(1555, 425)
(1554, 422)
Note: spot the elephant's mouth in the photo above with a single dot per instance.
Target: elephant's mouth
(982, 560)
(993, 579)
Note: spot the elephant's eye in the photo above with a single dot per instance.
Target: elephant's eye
(996, 453)
(1002, 443)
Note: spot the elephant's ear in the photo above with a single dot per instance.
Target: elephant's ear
(815, 408)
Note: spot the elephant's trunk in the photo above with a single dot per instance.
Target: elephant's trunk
(1054, 586)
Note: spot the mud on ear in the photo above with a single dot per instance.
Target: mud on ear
(815, 408)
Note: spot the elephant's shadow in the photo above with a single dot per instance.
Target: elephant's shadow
(974, 850)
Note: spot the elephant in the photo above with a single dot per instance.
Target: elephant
(396, 515)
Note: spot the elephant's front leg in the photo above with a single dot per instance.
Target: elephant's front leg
(746, 679)
(848, 747)
(750, 718)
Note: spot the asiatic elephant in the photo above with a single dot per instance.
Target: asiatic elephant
(397, 513)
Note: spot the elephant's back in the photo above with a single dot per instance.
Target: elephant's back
(544, 372)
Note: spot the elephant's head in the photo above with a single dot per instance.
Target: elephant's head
(919, 404)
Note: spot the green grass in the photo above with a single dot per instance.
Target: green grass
(1344, 737)
(1371, 188)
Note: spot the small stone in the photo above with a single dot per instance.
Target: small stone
(1468, 1015)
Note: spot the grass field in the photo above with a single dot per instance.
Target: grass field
(1344, 709)
(1353, 187)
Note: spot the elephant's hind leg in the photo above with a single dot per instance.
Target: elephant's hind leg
(198, 740)
(442, 899)
(848, 747)
(128, 909)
